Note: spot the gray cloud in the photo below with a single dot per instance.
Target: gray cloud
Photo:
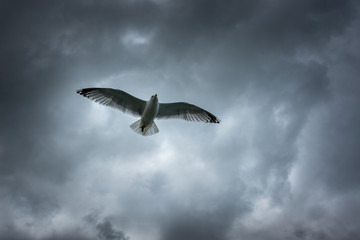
(281, 76)
(106, 231)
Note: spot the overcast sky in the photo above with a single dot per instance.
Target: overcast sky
(283, 77)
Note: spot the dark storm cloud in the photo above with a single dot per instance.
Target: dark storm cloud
(106, 231)
(199, 226)
(276, 70)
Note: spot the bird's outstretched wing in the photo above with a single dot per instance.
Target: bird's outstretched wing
(115, 98)
(186, 111)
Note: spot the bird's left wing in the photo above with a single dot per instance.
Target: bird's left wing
(186, 111)
(115, 98)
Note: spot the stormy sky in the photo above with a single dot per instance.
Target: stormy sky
(283, 77)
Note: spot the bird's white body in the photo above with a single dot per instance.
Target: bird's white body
(147, 110)
(151, 111)
(146, 125)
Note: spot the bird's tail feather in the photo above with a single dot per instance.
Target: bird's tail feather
(146, 131)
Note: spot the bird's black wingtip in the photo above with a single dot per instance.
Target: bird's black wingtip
(213, 119)
(216, 120)
(84, 91)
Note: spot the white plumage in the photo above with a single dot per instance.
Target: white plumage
(149, 110)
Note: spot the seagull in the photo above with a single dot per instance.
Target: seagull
(147, 110)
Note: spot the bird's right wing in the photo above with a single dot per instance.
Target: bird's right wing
(115, 98)
(186, 111)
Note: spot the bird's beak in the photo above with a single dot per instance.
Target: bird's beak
(155, 95)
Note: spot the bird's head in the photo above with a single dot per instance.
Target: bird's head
(154, 97)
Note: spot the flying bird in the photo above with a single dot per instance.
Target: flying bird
(147, 110)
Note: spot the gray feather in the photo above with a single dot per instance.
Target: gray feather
(186, 111)
(115, 98)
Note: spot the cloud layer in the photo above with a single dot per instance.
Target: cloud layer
(282, 77)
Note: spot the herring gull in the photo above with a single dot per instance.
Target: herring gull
(147, 110)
